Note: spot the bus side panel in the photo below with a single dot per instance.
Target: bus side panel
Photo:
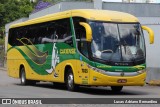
(13, 60)
(16, 57)
(83, 73)
(60, 72)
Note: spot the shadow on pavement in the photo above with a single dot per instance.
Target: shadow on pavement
(90, 90)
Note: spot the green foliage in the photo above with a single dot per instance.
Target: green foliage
(11, 10)
(1, 41)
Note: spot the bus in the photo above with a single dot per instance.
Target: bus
(83, 47)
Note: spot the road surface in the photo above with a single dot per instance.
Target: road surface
(11, 88)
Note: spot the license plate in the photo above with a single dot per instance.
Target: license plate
(122, 81)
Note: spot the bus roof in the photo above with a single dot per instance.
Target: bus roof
(91, 14)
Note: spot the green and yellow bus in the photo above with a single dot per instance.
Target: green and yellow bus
(79, 47)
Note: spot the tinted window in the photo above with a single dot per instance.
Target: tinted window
(48, 32)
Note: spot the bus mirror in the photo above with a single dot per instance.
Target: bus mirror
(88, 31)
(150, 32)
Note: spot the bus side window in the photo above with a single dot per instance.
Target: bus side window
(64, 31)
(20, 33)
(12, 37)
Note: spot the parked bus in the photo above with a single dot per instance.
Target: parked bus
(79, 47)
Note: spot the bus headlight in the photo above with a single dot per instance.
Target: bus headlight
(97, 69)
(141, 71)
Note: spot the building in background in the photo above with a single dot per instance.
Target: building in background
(151, 1)
(127, 1)
(112, 0)
(134, 1)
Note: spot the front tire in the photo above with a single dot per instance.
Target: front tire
(116, 89)
(70, 81)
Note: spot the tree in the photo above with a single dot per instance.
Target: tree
(15, 9)
(11, 10)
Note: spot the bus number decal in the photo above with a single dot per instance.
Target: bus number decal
(84, 70)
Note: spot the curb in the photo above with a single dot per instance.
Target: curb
(3, 68)
(154, 82)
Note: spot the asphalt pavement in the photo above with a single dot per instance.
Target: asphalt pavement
(11, 88)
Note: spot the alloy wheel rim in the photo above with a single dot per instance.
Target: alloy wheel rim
(23, 80)
(70, 80)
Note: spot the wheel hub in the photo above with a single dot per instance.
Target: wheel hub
(70, 80)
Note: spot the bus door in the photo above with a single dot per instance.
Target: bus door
(83, 71)
(82, 67)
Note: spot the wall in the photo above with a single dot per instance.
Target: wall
(137, 9)
(49, 10)
(76, 5)
(62, 6)
(152, 51)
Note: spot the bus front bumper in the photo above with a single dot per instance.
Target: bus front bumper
(99, 79)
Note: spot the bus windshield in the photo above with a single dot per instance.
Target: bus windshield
(117, 42)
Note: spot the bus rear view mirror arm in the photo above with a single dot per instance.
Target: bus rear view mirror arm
(88, 31)
(150, 32)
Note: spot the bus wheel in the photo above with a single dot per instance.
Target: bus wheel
(116, 88)
(70, 81)
(23, 79)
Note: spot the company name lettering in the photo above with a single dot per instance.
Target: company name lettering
(67, 51)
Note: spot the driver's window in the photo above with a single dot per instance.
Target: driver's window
(80, 35)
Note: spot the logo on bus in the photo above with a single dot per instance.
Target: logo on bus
(55, 61)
